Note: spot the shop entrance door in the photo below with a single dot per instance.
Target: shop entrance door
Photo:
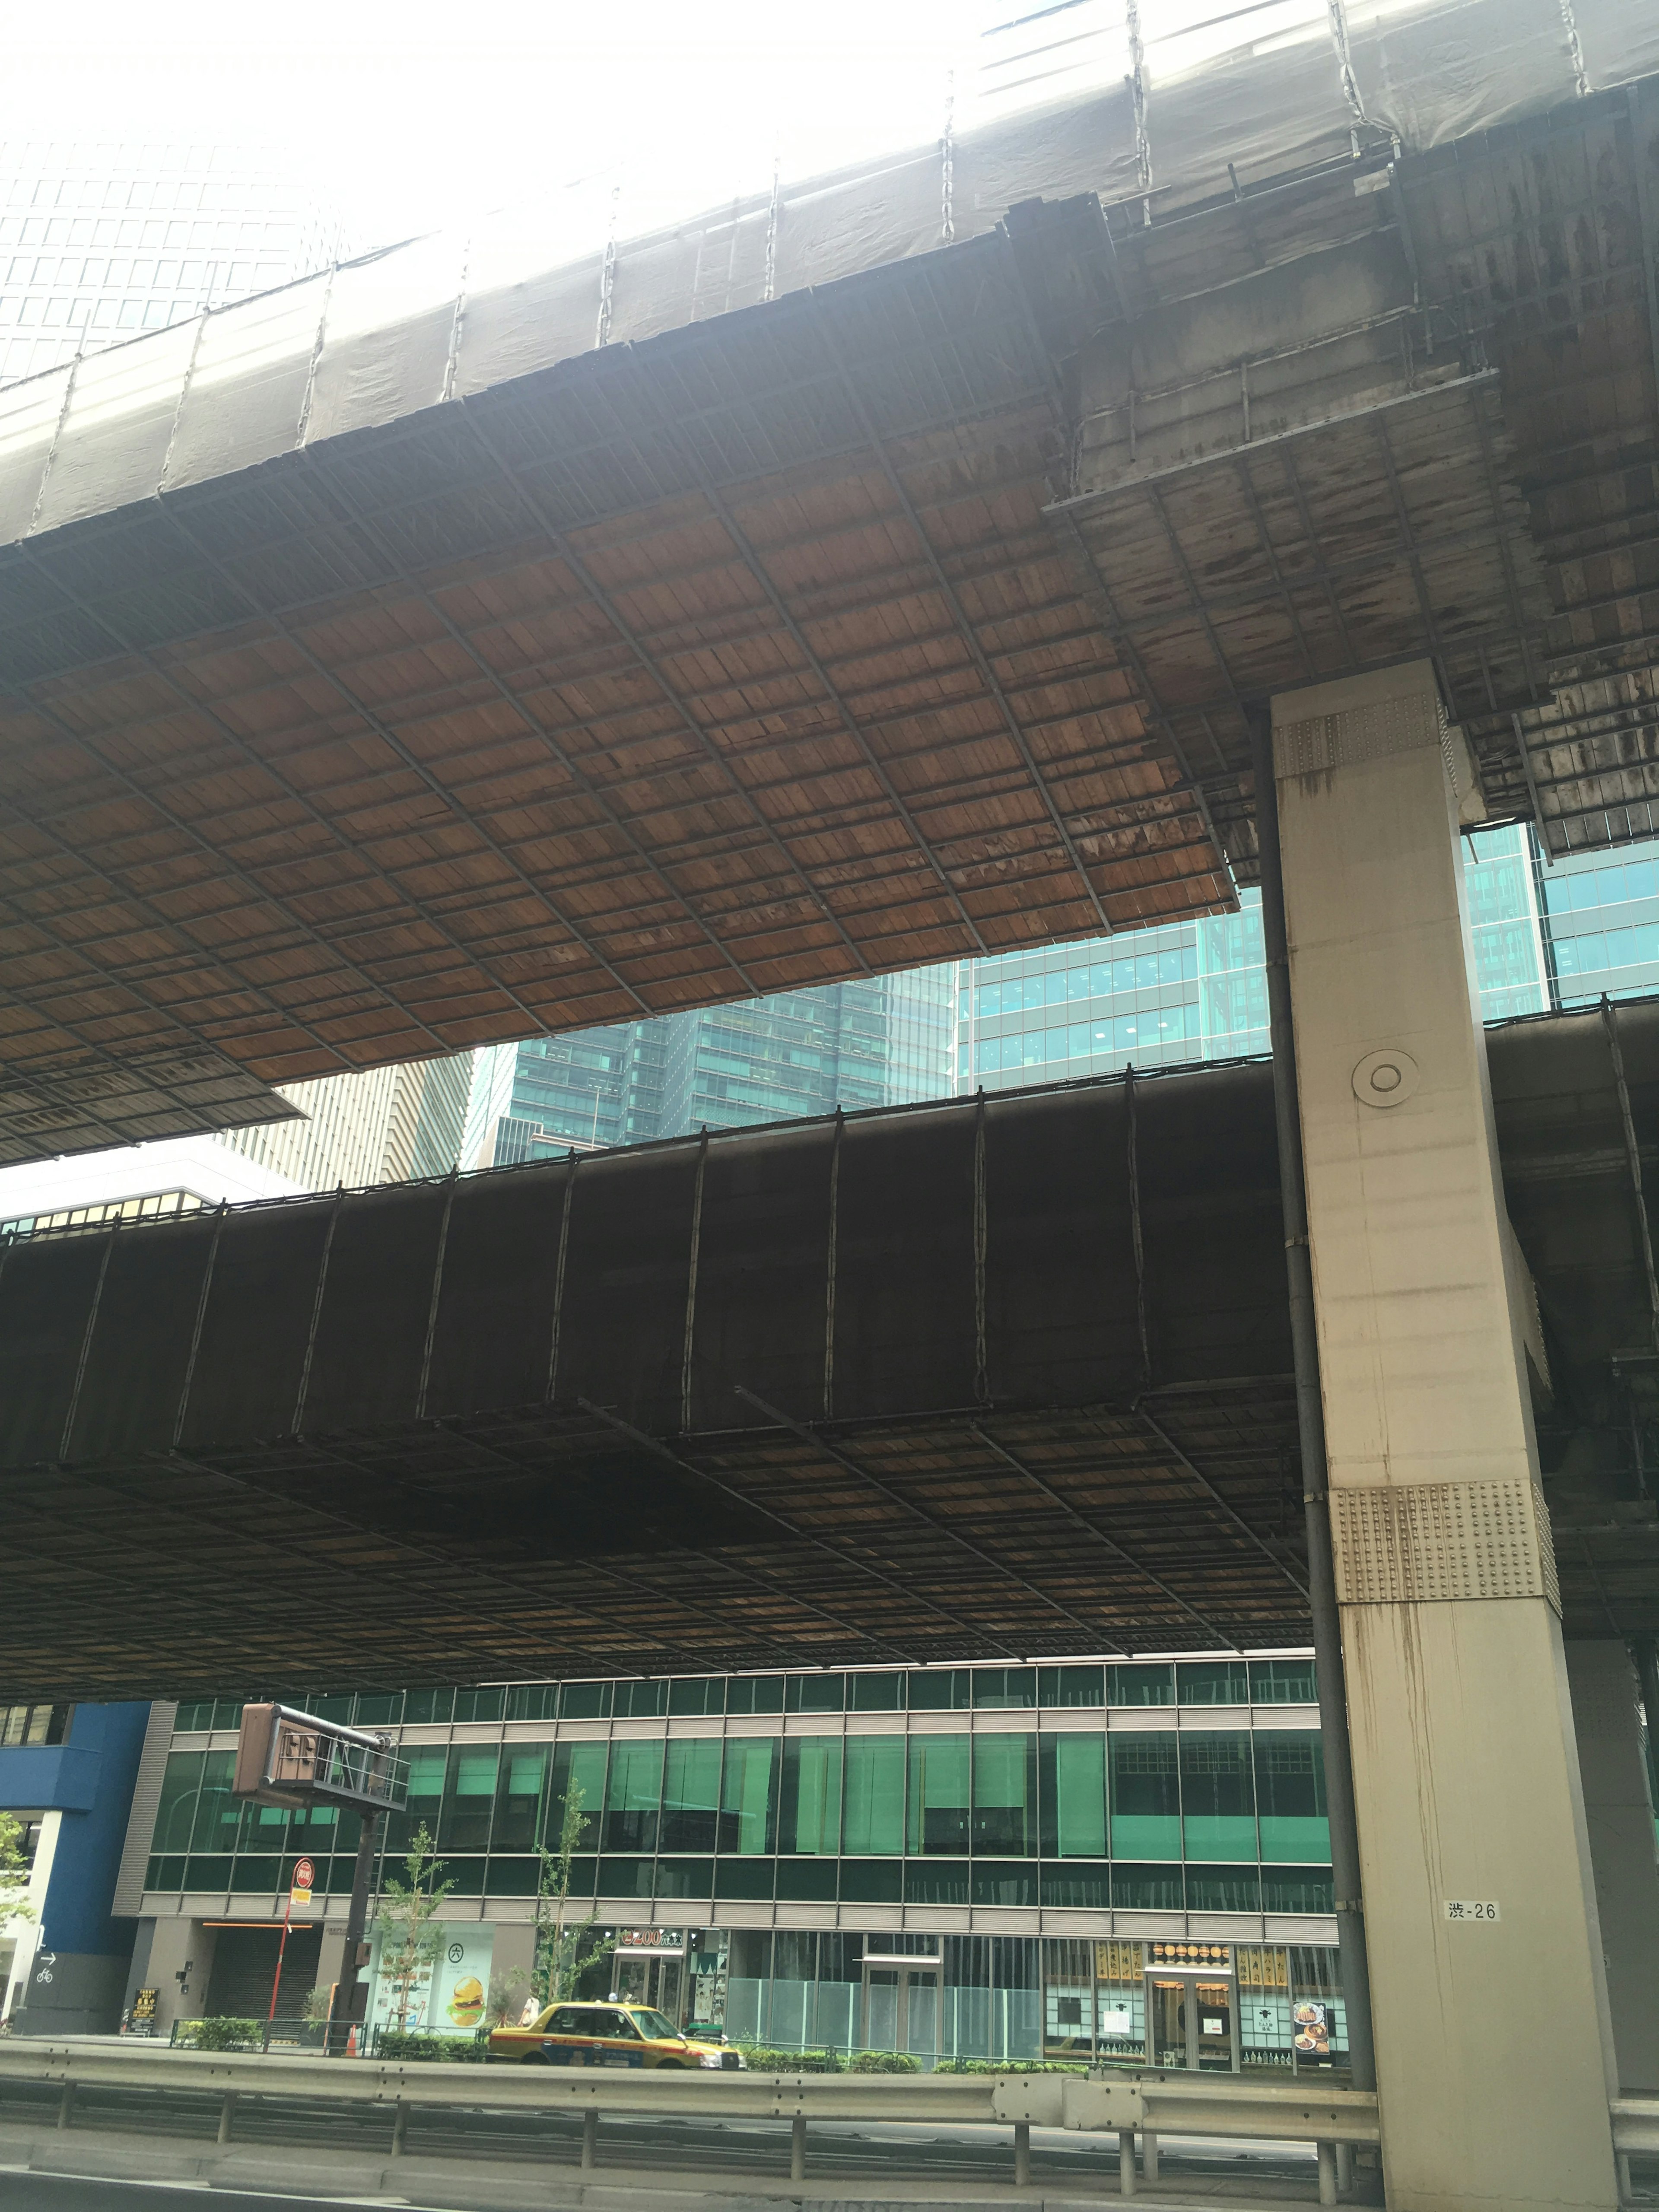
(1192, 2021)
(902, 2006)
(655, 1979)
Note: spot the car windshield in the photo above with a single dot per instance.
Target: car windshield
(655, 2024)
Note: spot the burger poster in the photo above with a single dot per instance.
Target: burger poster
(447, 1997)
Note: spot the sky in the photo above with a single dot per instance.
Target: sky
(416, 116)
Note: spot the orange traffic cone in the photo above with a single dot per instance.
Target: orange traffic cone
(351, 2043)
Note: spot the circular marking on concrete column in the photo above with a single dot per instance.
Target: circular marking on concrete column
(1387, 1078)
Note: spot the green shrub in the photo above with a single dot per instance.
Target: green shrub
(885, 2061)
(223, 2033)
(394, 2044)
(1007, 2066)
(765, 2059)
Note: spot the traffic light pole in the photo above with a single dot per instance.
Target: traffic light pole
(349, 2006)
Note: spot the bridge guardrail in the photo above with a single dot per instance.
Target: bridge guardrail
(1141, 2106)
(1132, 2106)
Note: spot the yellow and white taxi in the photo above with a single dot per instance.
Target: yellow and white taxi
(605, 2035)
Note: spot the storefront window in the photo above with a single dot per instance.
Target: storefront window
(1264, 2032)
(1217, 1800)
(749, 1795)
(632, 1795)
(874, 1817)
(691, 1797)
(1006, 1795)
(1073, 1796)
(1146, 1796)
(810, 1822)
(938, 1817)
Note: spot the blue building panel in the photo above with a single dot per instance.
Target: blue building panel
(48, 1779)
(78, 1964)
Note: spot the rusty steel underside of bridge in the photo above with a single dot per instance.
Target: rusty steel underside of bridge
(911, 617)
(987, 1379)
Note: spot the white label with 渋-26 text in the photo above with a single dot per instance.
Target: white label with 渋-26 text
(1472, 1908)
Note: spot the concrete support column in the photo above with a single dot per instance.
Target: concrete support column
(1493, 2042)
(1622, 1854)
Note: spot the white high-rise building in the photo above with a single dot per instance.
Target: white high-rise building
(100, 241)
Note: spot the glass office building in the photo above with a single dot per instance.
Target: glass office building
(1197, 990)
(1091, 1858)
(1164, 997)
(882, 1043)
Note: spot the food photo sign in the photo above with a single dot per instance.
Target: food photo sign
(446, 1997)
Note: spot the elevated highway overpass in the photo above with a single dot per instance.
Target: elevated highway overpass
(446, 648)
(1247, 474)
(988, 1379)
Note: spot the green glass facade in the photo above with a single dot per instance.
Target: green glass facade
(951, 1802)
(1032, 1844)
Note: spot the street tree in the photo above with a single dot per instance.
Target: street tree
(407, 1912)
(14, 1873)
(564, 1950)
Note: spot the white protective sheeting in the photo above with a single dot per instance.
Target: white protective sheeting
(117, 425)
(246, 397)
(1235, 96)
(1433, 77)
(388, 337)
(29, 414)
(1619, 41)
